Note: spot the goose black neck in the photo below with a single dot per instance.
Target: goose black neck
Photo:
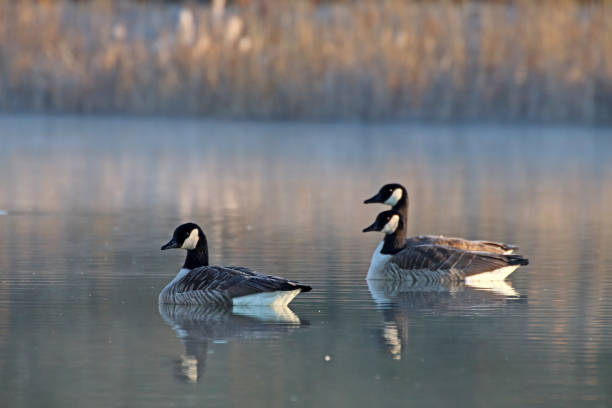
(393, 243)
(198, 256)
(402, 206)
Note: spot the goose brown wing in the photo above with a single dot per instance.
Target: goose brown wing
(233, 282)
(465, 244)
(455, 260)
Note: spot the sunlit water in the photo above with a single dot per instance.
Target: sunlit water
(85, 205)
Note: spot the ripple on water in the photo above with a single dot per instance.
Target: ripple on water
(80, 265)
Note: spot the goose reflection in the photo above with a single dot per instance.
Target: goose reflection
(199, 326)
(400, 301)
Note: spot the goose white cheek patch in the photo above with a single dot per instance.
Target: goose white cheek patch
(391, 225)
(395, 197)
(192, 240)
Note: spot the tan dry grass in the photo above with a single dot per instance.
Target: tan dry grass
(548, 60)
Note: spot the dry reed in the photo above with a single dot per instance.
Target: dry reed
(549, 60)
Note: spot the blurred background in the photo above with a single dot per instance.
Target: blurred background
(268, 123)
(540, 61)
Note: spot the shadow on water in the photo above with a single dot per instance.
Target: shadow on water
(198, 326)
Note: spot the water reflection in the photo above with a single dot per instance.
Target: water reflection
(80, 268)
(418, 295)
(198, 326)
(399, 301)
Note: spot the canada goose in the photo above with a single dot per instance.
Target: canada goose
(200, 283)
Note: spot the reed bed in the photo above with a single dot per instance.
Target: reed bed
(549, 60)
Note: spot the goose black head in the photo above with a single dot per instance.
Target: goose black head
(186, 236)
(389, 194)
(386, 222)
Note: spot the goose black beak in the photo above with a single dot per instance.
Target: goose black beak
(375, 199)
(370, 228)
(171, 244)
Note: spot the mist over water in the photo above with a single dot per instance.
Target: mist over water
(85, 205)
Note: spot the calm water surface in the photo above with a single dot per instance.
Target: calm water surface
(85, 205)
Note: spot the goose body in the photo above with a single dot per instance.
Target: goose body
(198, 283)
(394, 259)
(396, 196)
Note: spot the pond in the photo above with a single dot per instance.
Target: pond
(86, 203)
